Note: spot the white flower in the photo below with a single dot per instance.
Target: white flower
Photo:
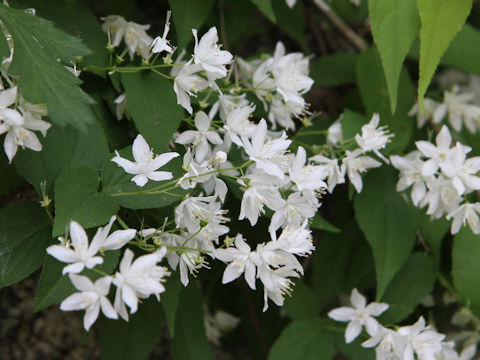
(91, 298)
(291, 3)
(121, 106)
(296, 240)
(82, 255)
(218, 324)
(389, 344)
(145, 164)
(335, 132)
(281, 112)
(424, 342)
(200, 137)
(138, 279)
(237, 124)
(221, 157)
(334, 173)
(208, 55)
(307, 177)
(240, 262)
(255, 197)
(439, 156)
(441, 197)
(277, 283)
(465, 213)
(160, 44)
(358, 316)
(17, 127)
(465, 179)
(354, 164)
(187, 84)
(459, 110)
(115, 240)
(373, 138)
(133, 34)
(430, 106)
(267, 154)
(410, 168)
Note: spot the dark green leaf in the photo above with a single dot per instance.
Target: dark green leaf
(188, 15)
(77, 198)
(265, 6)
(291, 20)
(132, 340)
(393, 22)
(53, 287)
(441, 20)
(388, 222)
(62, 148)
(373, 90)
(303, 340)
(432, 232)
(320, 223)
(24, 236)
(303, 304)
(10, 179)
(466, 267)
(352, 123)
(333, 70)
(43, 79)
(190, 342)
(153, 106)
(461, 54)
(409, 286)
(170, 300)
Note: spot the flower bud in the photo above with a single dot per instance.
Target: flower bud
(220, 157)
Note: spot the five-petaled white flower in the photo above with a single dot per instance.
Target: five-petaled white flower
(91, 298)
(160, 44)
(145, 164)
(358, 316)
(440, 156)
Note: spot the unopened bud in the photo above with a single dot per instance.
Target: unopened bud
(220, 157)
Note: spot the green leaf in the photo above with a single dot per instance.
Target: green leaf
(265, 6)
(62, 148)
(77, 20)
(334, 70)
(4, 47)
(119, 185)
(303, 340)
(24, 235)
(77, 198)
(10, 179)
(335, 258)
(303, 304)
(466, 267)
(461, 54)
(43, 79)
(190, 342)
(132, 340)
(433, 231)
(170, 300)
(352, 123)
(320, 223)
(393, 22)
(409, 286)
(188, 15)
(291, 20)
(441, 20)
(53, 287)
(374, 93)
(388, 222)
(153, 106)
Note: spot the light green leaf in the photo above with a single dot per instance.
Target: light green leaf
(117, 184)
(409, 286)
(265, 6)
(333, 70)
(374, 93)
(153, 106)
(395, 26)
(190, 342)
(132, 340)
(188, 15)
(303, 340)
(24, 236)
(62, 148)
(77, 198)
(43, 79)
(466, 267)
(441, 20)
(388, 222)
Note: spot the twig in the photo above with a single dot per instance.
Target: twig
(346, 31)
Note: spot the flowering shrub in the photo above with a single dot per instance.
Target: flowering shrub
(179, 167)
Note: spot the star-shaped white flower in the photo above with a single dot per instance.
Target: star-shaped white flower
(160, 44)
(358, 316)
(145, 164)
(208, 55)
(91, 298)
(440, 156)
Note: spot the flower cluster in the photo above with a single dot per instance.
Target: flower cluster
(405, 343)
(18, 120)
(441, 176)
